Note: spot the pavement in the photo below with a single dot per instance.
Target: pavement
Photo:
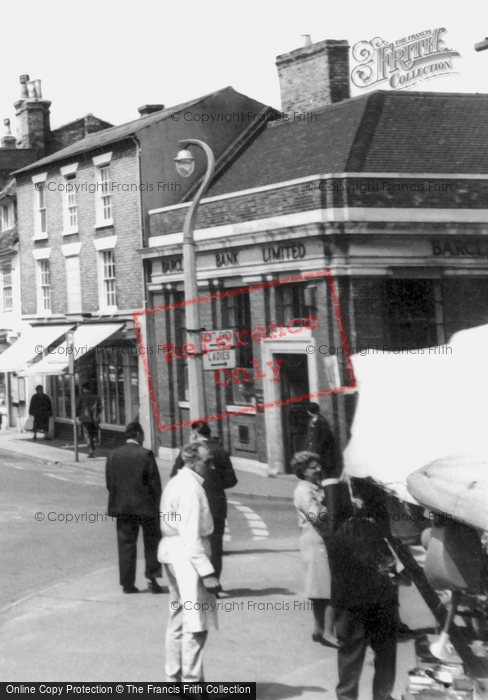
(86, 629)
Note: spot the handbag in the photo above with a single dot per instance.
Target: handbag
(29, 424)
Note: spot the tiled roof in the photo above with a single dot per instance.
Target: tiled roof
(384, 131)
(116, 133)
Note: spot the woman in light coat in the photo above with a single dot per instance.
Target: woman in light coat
(312, 518)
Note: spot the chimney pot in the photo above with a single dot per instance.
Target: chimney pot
(23, 80)
(306, 40)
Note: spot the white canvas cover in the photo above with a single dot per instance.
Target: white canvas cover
(416, 407)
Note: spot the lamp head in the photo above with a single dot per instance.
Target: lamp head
(185, 163)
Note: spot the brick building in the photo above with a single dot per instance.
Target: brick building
(388, 191)
(82, 216)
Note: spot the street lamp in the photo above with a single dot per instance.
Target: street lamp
(185, 165)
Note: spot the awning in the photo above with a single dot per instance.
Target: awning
(86, 338)
(31, 343)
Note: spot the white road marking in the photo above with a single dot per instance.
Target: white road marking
(257, 525)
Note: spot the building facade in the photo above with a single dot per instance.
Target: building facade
(386, 191)
(82, 213)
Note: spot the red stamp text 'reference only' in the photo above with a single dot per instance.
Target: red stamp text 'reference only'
(169, 352)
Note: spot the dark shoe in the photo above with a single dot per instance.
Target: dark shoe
(130, 589)
(154, 586)
(316, 637)
(404, 631)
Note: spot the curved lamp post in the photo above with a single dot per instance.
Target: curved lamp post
(185, 165)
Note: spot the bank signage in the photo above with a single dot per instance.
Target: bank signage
(404, 62)
(218, 351)
(272, 253)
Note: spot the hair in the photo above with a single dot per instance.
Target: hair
(133, 430)
(39, 386)
(313, 408)
(191, 454)
(301, 460)
(201, 428)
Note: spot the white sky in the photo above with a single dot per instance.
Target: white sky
(109, 57)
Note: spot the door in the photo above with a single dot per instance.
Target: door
(294, 416)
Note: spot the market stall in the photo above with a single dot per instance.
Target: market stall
(419, 441)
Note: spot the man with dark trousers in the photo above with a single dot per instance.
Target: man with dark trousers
(134, 487)
(365, 600)
(321, 441)
(220, 478)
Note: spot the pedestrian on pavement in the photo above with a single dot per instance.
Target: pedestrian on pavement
(312, 519)
(40, 408)
(365, 599)
(134, 487)
(220, 478)
(88, 411)
(185, 552)
(321, 440)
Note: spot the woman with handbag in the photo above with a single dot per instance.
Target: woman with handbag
(312, 518)
(40, 408)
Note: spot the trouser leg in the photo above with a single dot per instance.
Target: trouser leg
(351, 634)
(219, 515)
(192, 655)
(151, 533)
(318, 608)
(174, 631)
(381, 632)
(127, 532)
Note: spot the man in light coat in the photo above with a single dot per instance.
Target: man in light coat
(186, 523)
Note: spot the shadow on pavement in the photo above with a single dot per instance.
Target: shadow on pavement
(241, 592)
(280, 691)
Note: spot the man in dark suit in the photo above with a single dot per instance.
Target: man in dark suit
(321, 441)
(134, 487)
(220, 478)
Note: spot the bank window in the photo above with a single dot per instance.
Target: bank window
(295, 301)
(7, 301)
(414, 308)
(44, 288)
(236, 316)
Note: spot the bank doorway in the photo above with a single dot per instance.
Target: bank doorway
(294, 417)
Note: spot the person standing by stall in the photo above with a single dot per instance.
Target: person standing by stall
(40, 408)
(312, 518)
(321, 440)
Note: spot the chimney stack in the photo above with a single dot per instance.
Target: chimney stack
(315, 75)
(32, 113)
(149, 109)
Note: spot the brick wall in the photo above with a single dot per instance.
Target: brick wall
(123, 169)
(314, 76)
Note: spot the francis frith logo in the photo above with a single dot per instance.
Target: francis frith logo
(402, 63)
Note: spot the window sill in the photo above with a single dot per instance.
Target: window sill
(107, 310)
(245, 409)
(70, 232)
(104, 224)
(40, 236)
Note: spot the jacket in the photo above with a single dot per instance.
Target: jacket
(133, 481)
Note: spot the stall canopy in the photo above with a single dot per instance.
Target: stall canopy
(29, 345)
(418, 406)
(86, 338)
